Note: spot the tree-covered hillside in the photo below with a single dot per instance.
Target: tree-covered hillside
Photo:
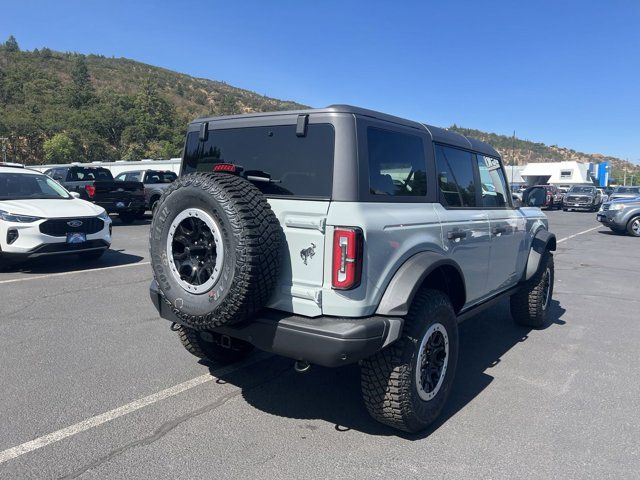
(61, 107)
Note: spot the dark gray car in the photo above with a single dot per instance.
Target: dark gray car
(582, 197)
(155, 183)
(625, 192)
(622, 216)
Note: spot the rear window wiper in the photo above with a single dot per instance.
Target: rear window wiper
(259, 176)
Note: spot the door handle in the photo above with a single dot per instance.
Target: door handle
(455, 234)
(497, 230)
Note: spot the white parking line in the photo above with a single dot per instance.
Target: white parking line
(576, 234)
(98, 420)
(37, 277)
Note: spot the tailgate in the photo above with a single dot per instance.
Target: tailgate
(302, 271)
(115, 191)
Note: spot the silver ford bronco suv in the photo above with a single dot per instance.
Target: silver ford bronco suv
(341, 235)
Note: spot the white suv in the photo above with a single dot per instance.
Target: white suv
(39, 217)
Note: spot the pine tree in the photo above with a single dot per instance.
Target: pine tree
(11, 45)
(80, 91)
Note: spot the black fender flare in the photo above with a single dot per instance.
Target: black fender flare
(405, 283)
(542, 241)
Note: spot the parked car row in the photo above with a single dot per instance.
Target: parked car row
(129, 195)
(579, 197)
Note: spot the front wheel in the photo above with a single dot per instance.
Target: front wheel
(530, 305)
(633, 227)
(213, 346)
(407, 384)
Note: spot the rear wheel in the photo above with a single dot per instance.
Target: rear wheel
(407, 384)
(633, 227)
(530, 305)
(213, 346)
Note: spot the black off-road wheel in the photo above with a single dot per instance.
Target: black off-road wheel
(215, 249)
(530, 305)
(407, 384)
(213, 346)
(633, 227)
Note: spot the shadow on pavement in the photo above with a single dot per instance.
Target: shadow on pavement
(117, 223)
(333, 395)
(73, 263)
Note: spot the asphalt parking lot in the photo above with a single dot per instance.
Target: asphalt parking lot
(95, 385)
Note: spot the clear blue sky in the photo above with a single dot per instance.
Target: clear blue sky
(559, 72)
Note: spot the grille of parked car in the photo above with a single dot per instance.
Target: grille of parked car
(577, 199)
(59, 227)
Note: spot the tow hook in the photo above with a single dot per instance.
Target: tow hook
(174, 327)
(301, 366)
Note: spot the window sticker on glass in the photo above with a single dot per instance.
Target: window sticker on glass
(491, 163)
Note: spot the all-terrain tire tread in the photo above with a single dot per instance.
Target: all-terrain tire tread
(527, 304)
(386, 378)
(258, 238)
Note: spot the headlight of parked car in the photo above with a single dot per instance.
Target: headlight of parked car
(104, 215)
(616, 206)
(12, 217)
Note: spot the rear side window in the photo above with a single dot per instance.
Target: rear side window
(494, 186)
(455, 177)
(88, 174)
(159, 177)
(297, 166)
(397, 164)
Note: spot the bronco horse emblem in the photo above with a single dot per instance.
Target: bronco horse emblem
(308, 253)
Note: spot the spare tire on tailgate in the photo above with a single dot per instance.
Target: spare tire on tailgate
(215, 249)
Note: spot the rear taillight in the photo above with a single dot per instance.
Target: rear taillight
(347, 258)
(91, 190)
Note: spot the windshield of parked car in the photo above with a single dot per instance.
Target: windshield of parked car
(21, 186)
(582, 190)
(627, 190)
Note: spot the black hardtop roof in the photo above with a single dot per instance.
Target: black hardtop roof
(439, 135)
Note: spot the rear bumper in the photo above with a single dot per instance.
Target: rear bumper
(326, 341)
(128, 205)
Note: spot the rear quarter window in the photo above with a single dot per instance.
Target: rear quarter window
(298, 166)
(397, 164)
